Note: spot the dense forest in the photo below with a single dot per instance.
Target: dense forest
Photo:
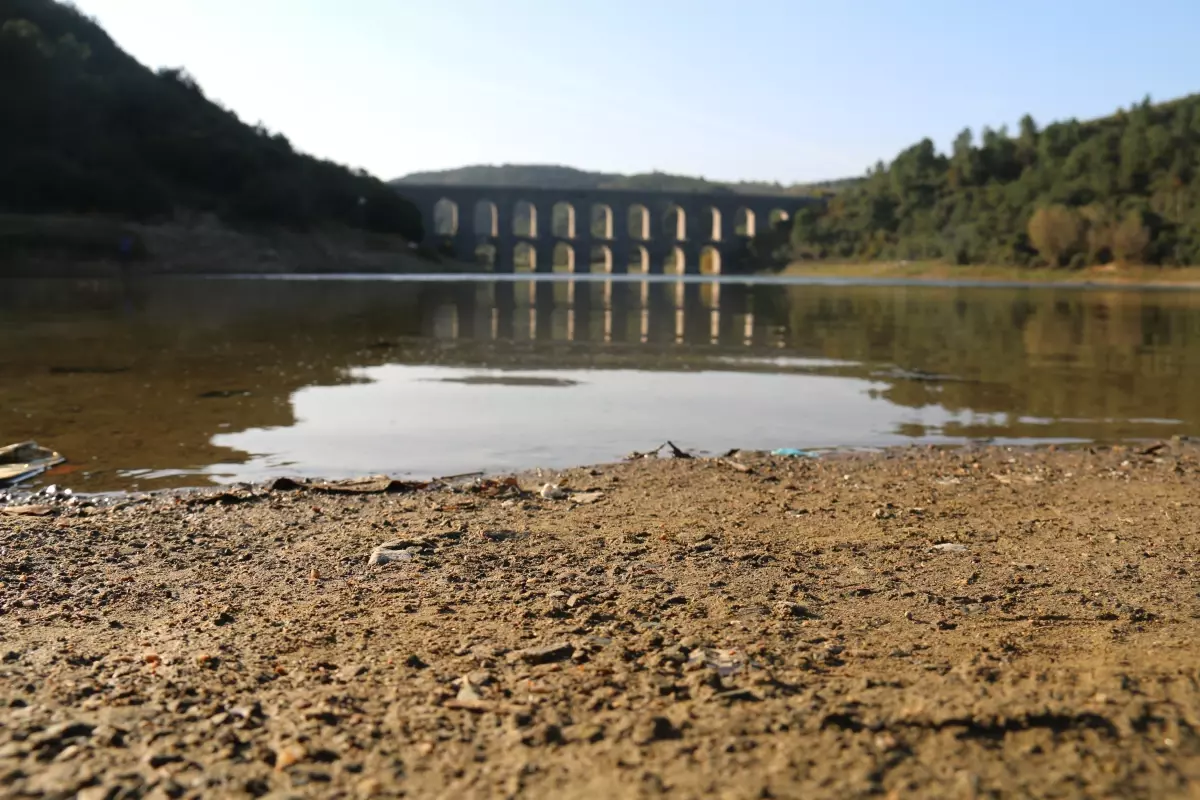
(551, 176)
(1123, 189)
(88, 129)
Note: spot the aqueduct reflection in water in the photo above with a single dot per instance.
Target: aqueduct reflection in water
(585, 311)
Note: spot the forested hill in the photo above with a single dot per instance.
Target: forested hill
(86, 128)
(1125, 188)
(550, 176)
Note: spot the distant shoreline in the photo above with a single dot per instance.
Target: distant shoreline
(1174, 277)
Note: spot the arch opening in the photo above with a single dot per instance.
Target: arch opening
(562, 220)
(710, 261)
(445, 217)
(675, 262)
(564, 258)
(777, 217)
(743, 222)
(639, 260)
(524, 257)
(485, 256)
(710, 224)
(601, 224)
(525, 221)
(674, 224)
(487, 218)
(638, 222)
(600, 258)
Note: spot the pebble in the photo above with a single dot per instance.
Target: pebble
(552, 491)
(950, 547)
(388, 552)
(559, 651)
(788, 610)
(656, 729)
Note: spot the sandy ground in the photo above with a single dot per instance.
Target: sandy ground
(916, 623)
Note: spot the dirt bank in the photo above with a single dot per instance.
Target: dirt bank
(963, 623)
(46, 246)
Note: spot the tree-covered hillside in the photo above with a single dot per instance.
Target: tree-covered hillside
(551, 176)
(1125, 188)
(87, 129)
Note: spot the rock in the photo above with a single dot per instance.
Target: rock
(723, 662)
(27, 511)
(61, 733)
(369, 787)
(560, 651)
(656, 729)
(785, 609)
(156, 760)
(468, 693)
(950, 547)
(587, 498)
(736, 695)
(388, 552)
(352, 671)
(552, 491)
(548, 734)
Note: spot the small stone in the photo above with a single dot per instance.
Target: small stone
(387, 553)
(479, 677)
(551, 734)
(157, 760)
(552, 491)
(587, 498)
(287, 756)
(656, 729)
(950, 547)
(369, 787)
(27, 511)
(468, 693)
(560, 651)
(788, 610)
(352, 671)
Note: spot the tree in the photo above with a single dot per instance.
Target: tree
(1059, 194)
(1056, 232)
(87, 129)
(1130, 239)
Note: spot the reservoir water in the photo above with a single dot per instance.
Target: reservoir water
(192, 381)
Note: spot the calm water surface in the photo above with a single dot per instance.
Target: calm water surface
(178, 382)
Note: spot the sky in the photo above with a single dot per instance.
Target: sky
(777, 90)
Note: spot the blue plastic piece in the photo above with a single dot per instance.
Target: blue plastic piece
(792, 452)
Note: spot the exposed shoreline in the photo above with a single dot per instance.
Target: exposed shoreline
(924, 621)
(1167, 277)
(85, 247)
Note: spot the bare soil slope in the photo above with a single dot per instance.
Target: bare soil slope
(962, 623)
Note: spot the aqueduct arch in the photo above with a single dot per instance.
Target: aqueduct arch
(523, 227)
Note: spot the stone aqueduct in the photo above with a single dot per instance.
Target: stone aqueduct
(614, 231)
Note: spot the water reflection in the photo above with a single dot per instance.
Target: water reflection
(187, 381)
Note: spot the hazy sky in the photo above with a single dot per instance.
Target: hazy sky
(788, 90)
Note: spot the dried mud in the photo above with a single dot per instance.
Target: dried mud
(933, 623)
